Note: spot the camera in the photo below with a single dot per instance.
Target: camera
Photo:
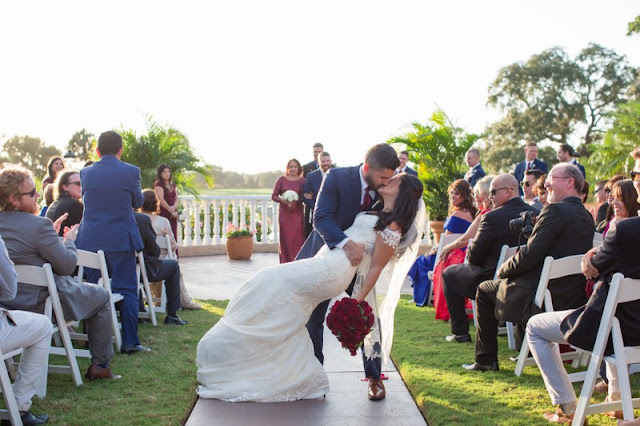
(524, 223)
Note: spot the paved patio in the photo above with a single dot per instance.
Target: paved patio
(217, 277)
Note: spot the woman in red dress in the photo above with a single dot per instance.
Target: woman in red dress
(291, 215)
(165, 189)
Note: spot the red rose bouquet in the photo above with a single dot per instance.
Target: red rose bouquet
(350, 321)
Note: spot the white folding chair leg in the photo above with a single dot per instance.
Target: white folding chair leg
(12, 411)
(511, 337)
(146, 290)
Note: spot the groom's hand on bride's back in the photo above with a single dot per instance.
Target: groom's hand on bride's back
(354, 252)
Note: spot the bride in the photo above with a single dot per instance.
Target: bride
(261, 351)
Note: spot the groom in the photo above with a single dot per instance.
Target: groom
(344, 193)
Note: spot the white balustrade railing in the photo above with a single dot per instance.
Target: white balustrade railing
(203, 223)
(204, 220)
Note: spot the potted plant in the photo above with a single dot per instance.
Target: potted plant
(239, 243)
(438, 149)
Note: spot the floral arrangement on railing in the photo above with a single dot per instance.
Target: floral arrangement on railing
(234, 231)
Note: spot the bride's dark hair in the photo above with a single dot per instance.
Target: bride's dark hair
(405, 206)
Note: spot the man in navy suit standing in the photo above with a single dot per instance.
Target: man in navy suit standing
(566, 154)
(307, 169)
(344, 193)
(404, 157)
(476, 172)
(110, 191)
(313, 182)
(530, 162)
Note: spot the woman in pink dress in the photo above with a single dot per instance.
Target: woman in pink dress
(291, 215)
(165, 189)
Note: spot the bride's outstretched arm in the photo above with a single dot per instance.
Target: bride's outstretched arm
(382, 252)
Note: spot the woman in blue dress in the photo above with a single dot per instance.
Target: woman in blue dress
(461, 214)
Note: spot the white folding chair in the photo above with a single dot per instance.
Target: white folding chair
(621, 290)
(89, 259)
(11, 412)
(143, 285)
(444, 240)
(597, 239)
(43, 277)
(551, 269)
(164, 243)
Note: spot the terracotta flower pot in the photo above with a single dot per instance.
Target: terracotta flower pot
(240, 248)
(437, 227)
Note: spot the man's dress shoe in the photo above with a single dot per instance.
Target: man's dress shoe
(476, 366)
(97, 372)
(465, 338)
(169, 320)
(376, 390)
(132, 349)
(28, 418)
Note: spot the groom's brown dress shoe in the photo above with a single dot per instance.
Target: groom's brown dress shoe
(376, 390)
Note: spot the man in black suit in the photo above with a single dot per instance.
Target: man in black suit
(530, 162)
(312, 165)
(404, 157)
(166, 270)
(312, 187)
(566, 154)
(306, 170)
(564, 228)
(475, 172)
(461, 281)
(617, 253)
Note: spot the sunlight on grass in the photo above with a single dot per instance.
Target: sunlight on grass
(448, 395)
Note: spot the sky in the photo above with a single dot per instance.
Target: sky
(254, 83)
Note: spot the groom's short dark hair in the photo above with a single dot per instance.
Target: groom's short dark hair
(382, 156)
(109, 143)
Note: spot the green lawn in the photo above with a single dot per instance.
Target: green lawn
(448, 395)
(157, 388)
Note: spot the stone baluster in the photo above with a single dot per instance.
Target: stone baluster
(187, 222)
(207, 222)
(264, 217)
(197, 239)
(216, 222)
(225, 219)
(252, 217)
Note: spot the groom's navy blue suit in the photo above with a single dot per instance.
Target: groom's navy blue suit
(337, 206)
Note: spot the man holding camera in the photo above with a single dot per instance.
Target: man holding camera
(461, 281)
(564, 228)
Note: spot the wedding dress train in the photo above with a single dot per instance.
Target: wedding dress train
(260, 350)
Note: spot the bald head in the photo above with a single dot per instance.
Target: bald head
(504, 187)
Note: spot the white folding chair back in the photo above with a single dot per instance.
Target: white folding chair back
(143, 285)
(551, 269)
(43, 277)
(621, 290)
(444, 240)
(597, 239)
(11, 412)
(165, 244)
(89, 259)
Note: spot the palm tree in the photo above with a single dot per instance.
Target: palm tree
(164, 144)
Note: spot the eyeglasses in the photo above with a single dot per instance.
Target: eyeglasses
(526, 183)
(494, 191)
(607, 190)
(31, 193)
(635, 176)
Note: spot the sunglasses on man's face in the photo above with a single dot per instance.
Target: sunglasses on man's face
(31, 193)
(635, 176)
(525, 183)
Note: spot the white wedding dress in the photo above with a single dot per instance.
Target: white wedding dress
(261, 350)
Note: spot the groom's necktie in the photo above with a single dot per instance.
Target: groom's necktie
(366, 203)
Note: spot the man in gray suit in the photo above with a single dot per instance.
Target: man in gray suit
(33, 240)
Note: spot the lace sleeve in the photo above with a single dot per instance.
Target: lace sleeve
(390, 237)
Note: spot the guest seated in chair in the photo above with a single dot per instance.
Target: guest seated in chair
(461, 213)
(564, 228)
(461, 281)
(19, 329)
(578, 327)
(161, 269)
(67, 193)
(33, 240)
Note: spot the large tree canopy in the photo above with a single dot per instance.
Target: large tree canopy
(164, 144)
(82, 144)
(553, 97)
(30, 152)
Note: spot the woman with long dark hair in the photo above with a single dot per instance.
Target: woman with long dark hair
(67, 195)
(54, 165)
(288, 192)
(265, 321)
(166, 191)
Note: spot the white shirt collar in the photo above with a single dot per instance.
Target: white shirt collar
(363, 185)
